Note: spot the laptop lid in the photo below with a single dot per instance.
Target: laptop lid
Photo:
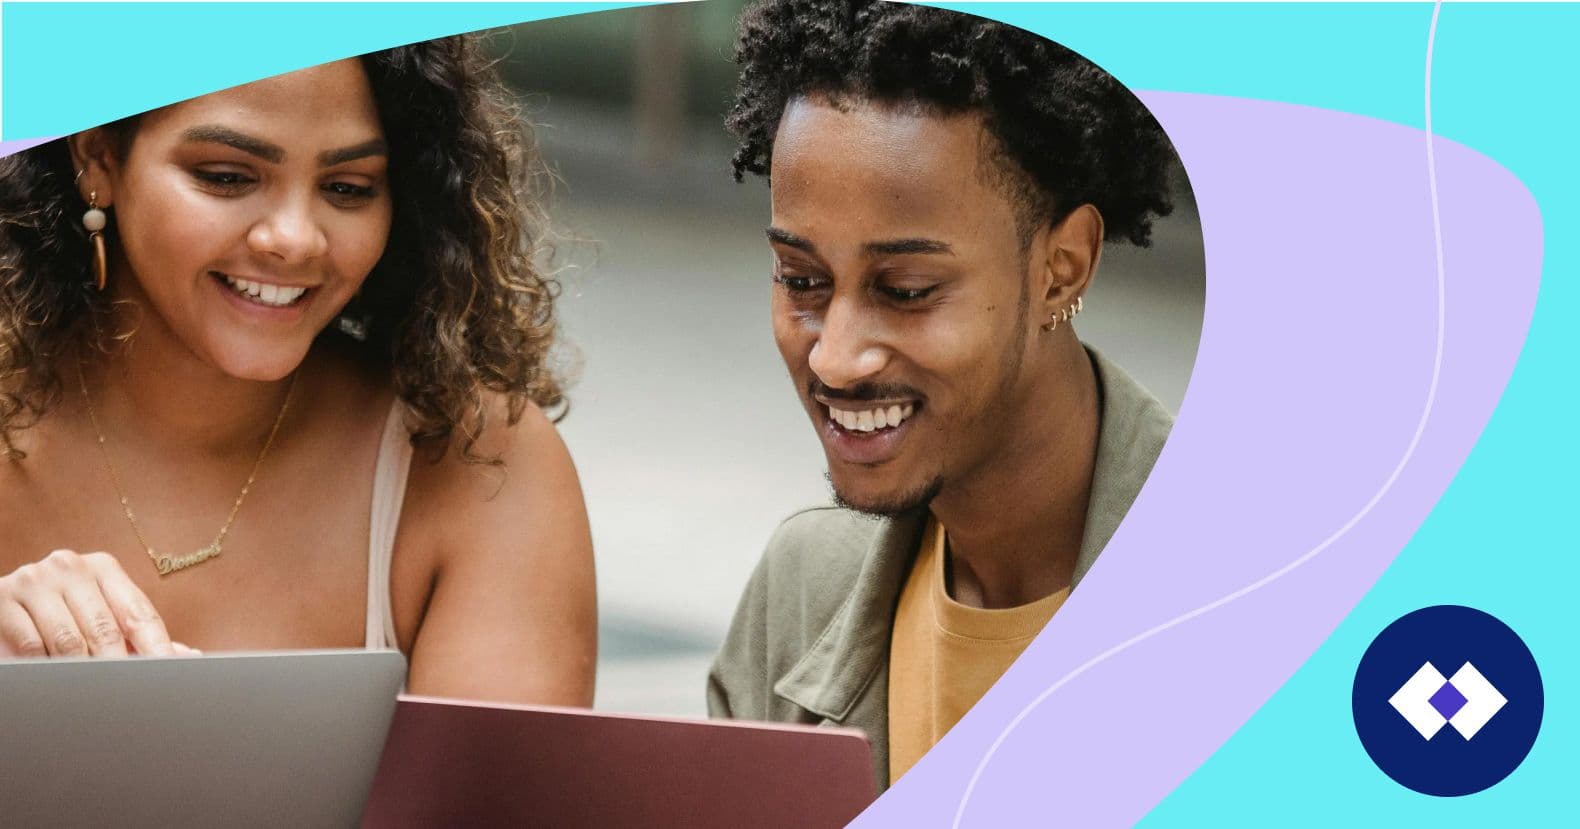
(451, 763)
(246, 739)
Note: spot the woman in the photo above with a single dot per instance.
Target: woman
(225, 325)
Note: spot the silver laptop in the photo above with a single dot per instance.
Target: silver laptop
(254, 739)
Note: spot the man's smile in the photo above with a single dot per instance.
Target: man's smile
(870, 418)
(865, 433)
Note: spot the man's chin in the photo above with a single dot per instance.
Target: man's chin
(885, 504)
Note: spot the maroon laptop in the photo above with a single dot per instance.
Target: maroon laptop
(449, 763)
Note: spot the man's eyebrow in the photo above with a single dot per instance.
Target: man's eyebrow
(330, 158)
(788, 239)
(900, 247)
(231, 138)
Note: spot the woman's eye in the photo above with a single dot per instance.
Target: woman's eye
(225, 179)
(348, 190)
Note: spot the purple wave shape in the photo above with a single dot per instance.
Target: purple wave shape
(1338, 388)
(9, 147)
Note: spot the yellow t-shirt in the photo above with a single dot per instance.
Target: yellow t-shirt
(943, 655)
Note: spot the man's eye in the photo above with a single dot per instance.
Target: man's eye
(796, 284)
(908, 294)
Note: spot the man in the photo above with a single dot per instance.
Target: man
(942, 187)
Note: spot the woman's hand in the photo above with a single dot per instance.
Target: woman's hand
(71, 604)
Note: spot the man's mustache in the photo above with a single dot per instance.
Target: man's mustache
(862, 392)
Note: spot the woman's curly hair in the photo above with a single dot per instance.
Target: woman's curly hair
(1070, 133)
(458, 305)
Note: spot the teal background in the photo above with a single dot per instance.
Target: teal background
(69, 66)
(1502, 83)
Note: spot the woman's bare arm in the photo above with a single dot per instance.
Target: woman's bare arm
(512, 616)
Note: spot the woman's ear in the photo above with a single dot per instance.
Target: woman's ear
(95, 157)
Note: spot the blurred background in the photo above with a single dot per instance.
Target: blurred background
(689, 438)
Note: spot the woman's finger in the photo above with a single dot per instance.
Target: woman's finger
(56, 626)
(18, 635)
(139, 621)
(95, 619)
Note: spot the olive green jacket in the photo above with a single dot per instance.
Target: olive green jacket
(810, 639)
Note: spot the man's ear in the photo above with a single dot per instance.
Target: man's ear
(1069, 253)
(95, 157)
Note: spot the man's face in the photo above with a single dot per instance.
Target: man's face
(900, 297)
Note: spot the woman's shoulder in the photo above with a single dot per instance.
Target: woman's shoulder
(514, 476)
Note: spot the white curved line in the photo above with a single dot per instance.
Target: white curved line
(1409, 452)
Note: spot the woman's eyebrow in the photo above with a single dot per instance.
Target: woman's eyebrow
(329, 158)
(212, 134)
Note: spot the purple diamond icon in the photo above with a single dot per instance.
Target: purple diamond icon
(1448, 700)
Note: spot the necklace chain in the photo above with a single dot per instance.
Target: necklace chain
(164, 562)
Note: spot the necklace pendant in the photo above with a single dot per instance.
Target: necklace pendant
(167, 564)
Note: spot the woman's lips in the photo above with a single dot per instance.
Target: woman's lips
(268, 294)
(261, 299)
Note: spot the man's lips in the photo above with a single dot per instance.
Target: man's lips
(865, 432)
(868, 416)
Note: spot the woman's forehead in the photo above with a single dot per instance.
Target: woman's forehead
(332, 102)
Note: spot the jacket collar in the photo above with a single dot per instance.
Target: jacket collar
(852, 650)
(852, 653)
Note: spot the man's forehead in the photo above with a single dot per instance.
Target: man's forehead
(898, 172)
(875, 128)
(907, 152)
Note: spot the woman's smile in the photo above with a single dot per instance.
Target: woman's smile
(263, 293)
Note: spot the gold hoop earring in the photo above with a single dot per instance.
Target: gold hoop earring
(1062, 315)
(94, 221)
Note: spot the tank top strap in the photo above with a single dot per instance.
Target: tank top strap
(389, 490)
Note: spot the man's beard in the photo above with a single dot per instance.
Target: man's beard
(891, 506)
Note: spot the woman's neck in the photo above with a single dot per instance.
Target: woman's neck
(149, 386)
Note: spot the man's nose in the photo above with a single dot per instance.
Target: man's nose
(847, 352)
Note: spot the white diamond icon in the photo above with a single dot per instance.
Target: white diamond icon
(1413, 701)
(1482, 701)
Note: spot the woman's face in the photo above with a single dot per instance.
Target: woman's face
(248, 218)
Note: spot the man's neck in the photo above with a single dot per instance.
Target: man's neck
(1015, 526)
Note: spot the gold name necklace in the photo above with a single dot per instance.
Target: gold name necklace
(166, 563)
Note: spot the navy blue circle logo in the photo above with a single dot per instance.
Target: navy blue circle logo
(1447, 700)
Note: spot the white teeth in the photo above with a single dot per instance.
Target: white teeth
(871, 420)
(278, 296)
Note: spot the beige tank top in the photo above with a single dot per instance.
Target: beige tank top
(389, 489)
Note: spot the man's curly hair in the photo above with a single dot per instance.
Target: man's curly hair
(1067, 132)
(457, 306)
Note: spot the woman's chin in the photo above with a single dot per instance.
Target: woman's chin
(262, 366)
